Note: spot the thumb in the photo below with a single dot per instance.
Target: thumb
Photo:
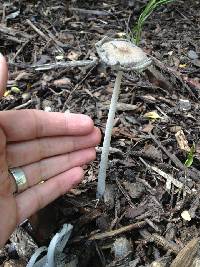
(3, 74)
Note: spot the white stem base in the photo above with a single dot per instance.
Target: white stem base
(106, 143)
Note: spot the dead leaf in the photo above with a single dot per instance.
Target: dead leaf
(148, 128)
(182, 141)
(135, 190)
(122, 132)
(62, 82)
(153, 115)
(77, 191)
(194, 82)
(152, 152)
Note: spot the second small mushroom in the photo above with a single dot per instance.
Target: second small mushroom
(121, 55)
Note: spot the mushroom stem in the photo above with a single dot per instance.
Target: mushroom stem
(106, 143)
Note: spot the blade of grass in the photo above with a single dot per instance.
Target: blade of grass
(150, 7)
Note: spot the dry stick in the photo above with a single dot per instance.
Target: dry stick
(24, 105)
(194, 175)
(14, 39)
(112, 150)
(78, 84)
(120, 107)
(15, 33)
(20, 50)
(90, 11)
(177, 76)
(126, 195)
(51, 36)
(168, 177)
(122, 230)
(39, 32)
(68, 64)
(160, 241)
(45, 37)
(59, 65)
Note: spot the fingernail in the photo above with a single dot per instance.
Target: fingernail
(1, 56)
(85, 120)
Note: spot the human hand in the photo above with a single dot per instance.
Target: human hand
(48, 147)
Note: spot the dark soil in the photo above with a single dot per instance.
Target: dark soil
(149, 186)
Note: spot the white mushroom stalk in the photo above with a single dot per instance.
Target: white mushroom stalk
(121, 55)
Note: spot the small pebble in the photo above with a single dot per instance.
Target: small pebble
(47, 109)
(157, 264)
(192, 54)
(196, 63)
(186, 216)
(135, 190)
(47, 105)
(121, 247)
(26, 96)
(184, 105)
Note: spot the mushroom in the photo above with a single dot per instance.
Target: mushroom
(121, 55)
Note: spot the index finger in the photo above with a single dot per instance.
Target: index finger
(27, 124)
(3, 74)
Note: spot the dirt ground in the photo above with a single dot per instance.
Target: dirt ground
(151, 208)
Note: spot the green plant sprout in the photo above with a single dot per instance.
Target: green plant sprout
(150, 7)
(190, 157)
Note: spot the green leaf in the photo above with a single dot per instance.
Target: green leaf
(15, 89)
(190, 156)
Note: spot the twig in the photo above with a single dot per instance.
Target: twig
(112, 150)
(161, 241)
(118, 231)
(193, 174)
(38, 31)
(90, 11)
(20, 50)
(126, 195)
(70, 64)
(24, 105)
(176, 75)
(93, 64)
(15, 33)
(170, 179)
(48, 38)
(50, 34)
(121, 107)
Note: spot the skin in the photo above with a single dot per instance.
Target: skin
(49, 147)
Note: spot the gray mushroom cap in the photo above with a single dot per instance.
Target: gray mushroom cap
(122, 54)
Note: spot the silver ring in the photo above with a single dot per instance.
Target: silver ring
(20, 179)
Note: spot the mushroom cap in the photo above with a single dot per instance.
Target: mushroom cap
(122, 54)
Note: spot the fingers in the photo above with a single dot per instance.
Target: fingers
(48, 168)
(41, 195)
(32, 151)
(3, 74)
(24, 125)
